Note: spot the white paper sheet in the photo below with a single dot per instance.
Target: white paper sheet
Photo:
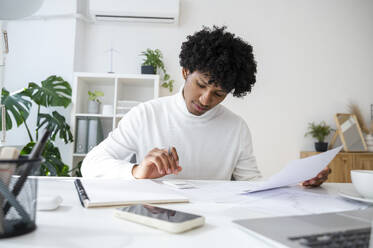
(110, 192)
(297, 171)
(287, 201)
(213, 191)
(295, 201)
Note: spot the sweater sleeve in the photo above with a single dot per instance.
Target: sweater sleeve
(246, 168)
(111, 158)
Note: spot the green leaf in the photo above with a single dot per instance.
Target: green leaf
(154, 58)
(99, 93)
(16, 105)
(77, 170)
(93, 96)
(57, 124)
(52, 164)
(52, 155)
(168, 85)
(319, 131)
(54, 91)
(171, 85)
(27, 148)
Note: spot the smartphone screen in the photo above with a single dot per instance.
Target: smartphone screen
(159, 213)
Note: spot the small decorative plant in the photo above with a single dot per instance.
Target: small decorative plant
(154, 58)
(94, 96)
(319, 132)
(94, 101)
(54, 92)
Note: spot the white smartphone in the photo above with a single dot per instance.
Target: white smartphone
(162, 218)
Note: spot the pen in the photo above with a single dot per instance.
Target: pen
(177, 162)
(83, 197)
(169, 153)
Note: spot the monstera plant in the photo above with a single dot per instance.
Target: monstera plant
(54, 92)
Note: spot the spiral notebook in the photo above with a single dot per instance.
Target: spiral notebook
(119, 192)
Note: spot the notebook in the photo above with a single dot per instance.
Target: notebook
(119, 192)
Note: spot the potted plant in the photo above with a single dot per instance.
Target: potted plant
(94, 101)
(319, 132)
(152, 63)
(53, 92)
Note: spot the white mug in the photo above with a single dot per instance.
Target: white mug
(363, 182)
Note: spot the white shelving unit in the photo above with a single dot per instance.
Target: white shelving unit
(116, 88)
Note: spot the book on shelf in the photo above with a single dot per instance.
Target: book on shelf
(89, 134)
(81, 136)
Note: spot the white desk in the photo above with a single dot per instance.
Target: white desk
(74, 226)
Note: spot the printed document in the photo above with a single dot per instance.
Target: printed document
(297, 171)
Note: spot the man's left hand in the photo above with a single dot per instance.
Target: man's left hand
(319, 179)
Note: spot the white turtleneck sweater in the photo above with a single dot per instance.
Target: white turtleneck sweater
(216, 145)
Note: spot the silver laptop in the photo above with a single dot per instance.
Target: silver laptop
(342, 229)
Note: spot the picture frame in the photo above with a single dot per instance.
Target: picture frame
(348, 134)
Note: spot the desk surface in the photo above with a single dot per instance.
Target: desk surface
(71, 225)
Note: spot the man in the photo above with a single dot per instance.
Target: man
(206, 140)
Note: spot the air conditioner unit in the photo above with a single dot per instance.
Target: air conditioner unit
(160, 11)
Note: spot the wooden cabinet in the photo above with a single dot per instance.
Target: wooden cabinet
(343, 163)
(363, 162)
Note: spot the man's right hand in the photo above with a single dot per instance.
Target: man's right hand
(157, 163)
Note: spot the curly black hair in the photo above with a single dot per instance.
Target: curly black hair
(226, 59)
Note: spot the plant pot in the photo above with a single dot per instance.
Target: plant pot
(321, 146)
(147, 69)
(93, 107)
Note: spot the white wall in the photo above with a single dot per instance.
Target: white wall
(38, 49)
(313, 57)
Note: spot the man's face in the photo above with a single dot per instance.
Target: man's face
(200, 96)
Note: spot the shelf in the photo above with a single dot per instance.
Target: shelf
(137, 82)
(94, 115)
(126, 103)
(79, 154)
(90, 75)
(121, 91)
(97, 80)
(123, 110)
